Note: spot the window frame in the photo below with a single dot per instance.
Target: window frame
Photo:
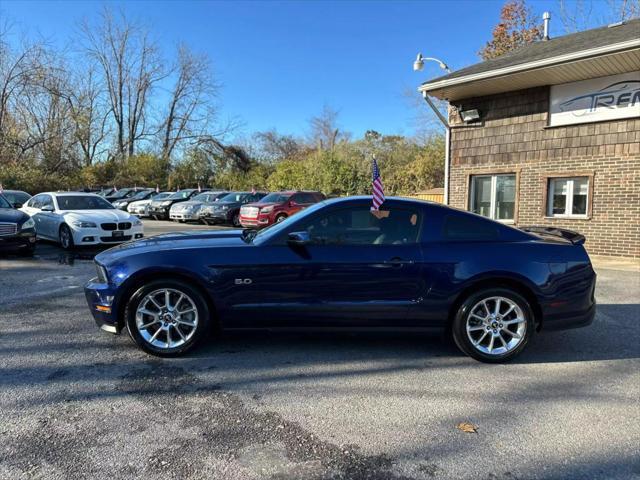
(549, 186)
(281, 238)
(494, 181)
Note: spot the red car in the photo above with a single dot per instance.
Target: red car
(276, 206)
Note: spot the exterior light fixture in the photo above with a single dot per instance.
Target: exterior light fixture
(470, 115)
(418, 65)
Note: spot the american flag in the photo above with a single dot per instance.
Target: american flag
(377, 187)
(253, 190)
(157, 188)
(0, 188)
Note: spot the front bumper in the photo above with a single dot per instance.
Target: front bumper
(100, 300)
(23, 240)
(160, 212)
(184, 216)
(98, 236)
(215, 217)
(260, 221)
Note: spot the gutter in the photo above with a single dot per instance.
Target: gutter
(524, 67)
(447, 144)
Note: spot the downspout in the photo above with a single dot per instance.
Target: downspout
(447, 144)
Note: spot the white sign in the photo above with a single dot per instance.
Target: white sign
(595, 100)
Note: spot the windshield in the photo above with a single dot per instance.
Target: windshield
(140, 195)
(276, 228)
(180, 195)
(120, 193)
(82, 202)
(16, 197)
(234, 197)
(205, 197)
(276, 198)
(162, 195)
(4, 203)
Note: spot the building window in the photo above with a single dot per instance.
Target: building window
(568, 197)
(494, 196)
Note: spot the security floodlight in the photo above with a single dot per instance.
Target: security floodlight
(470, 115)
(418, 65)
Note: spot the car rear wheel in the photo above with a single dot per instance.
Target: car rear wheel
(167, 318)
(66, 237)
(236, 220)
(493, 325)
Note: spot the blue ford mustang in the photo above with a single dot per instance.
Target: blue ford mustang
(339, 265)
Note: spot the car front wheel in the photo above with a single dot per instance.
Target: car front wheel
(167, 318)
(66, 237)
(493, 325)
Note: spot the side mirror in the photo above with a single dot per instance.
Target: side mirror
(298, 239)
(47, 208)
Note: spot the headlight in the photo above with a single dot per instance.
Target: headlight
(28, 224)
(102, 274)
(166, 204)
(223, 207)
(137, 222)
(81, 224)
(266, 209)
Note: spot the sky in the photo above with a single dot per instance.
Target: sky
(280, 62)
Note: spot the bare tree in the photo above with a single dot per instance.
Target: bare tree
(577, 15)
(130, 66)
(21, 69)
(191, 109)
(325, 132)
(90, 116)
(275, 146)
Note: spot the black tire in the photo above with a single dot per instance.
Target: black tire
(459, 326)
(281, 217)
(235, 221)
(65, 237)
(203, 325)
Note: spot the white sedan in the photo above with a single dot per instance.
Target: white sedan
(77, 219)
(139, 207)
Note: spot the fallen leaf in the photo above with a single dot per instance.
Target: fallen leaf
(467, 427)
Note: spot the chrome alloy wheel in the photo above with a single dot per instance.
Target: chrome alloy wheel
(496, 325)
(166, 318)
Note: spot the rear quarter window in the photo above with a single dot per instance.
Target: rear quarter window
(467, 228)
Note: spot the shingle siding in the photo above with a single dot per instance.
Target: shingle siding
(514, 136)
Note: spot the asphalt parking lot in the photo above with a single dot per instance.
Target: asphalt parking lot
(78, 403)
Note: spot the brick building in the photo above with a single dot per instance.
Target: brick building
(549, 134)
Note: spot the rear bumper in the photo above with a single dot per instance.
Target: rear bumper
(583, 319)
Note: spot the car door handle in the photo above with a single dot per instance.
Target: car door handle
(397, 262)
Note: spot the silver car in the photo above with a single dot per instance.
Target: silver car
(190, 210)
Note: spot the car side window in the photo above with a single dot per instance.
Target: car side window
(361, 226)
(303, 198)
(464, 227)
(35, 202)
(47, 201)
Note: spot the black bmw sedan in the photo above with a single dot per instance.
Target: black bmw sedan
(17, 230)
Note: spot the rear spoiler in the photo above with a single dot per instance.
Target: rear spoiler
(574, 237)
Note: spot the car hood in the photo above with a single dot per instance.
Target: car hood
(12, 216)
(111, 215)
(140, 203)
(227, 204)
(263, 204)
(172, 241)
(191, 203)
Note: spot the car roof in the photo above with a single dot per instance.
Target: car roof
(70, 194)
